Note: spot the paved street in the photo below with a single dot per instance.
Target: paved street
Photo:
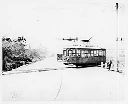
(91, 84)
(64, 84)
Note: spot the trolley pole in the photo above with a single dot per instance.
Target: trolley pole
(117, 59)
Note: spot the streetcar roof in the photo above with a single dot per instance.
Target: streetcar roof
(84, 47)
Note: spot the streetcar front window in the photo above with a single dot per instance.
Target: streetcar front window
(104, 54)
(64, 52)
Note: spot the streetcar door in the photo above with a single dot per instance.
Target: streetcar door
(59, 57)
(70, 52)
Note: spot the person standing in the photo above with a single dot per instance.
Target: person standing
(109, 65)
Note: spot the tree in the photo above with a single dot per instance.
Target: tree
(13, 52)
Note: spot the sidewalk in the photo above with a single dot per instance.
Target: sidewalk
(44, 65)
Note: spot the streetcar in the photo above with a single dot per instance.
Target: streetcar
(79, 55)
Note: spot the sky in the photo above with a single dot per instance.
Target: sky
(45, 22)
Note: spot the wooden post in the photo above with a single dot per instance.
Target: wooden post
(106, 65)
(101, 64)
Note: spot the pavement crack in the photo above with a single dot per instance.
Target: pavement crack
(60, 87)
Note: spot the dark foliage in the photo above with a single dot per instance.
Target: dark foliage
(13, 53)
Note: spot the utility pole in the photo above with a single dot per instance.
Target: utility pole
(117, 59)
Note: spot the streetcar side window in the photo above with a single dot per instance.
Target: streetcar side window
(86, 53)
(78, 52)
(82, 53)
(73, 52)
(89, 53)
(95, 53)
(92, 53)
(100, 53)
